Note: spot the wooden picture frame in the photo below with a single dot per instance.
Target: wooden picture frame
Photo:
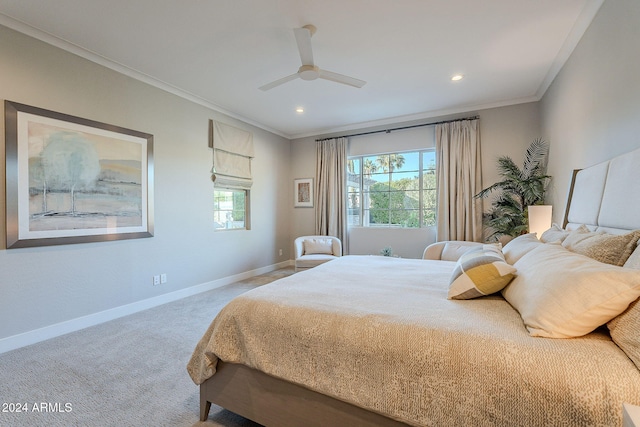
(74, 180)
(303, 193)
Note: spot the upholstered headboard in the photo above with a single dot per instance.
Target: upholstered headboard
(606, 196)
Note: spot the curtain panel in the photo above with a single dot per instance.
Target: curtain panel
(232, 154)
(331, 184)
(459, 179)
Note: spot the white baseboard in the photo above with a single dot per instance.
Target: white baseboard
(31, 337)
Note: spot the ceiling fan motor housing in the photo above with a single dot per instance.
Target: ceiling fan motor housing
(309, 72)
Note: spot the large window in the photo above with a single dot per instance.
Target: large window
(230, 209)
(392, 190)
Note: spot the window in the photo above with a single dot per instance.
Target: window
(231, 172)
(392, 190)
(230, 209)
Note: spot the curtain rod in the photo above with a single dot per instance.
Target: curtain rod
(400, 128)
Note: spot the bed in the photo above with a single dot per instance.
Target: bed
(378, 341)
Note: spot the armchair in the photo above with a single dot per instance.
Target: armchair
(311, 251)
(448, 250)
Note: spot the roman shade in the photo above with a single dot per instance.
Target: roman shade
(232, 154)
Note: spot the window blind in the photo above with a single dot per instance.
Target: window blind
(232, 154)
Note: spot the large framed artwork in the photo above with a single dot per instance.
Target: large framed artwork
(74, 180)
(303, 192)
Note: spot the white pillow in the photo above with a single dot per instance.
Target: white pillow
(554, 234)
(634, 259)
(318, 246)
(480, 271)
(562, 294)
(520, 246)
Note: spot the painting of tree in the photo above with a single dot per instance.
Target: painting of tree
(70, 178)
(69, 163)
(81, 180)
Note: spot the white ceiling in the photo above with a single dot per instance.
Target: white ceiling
(218, 52)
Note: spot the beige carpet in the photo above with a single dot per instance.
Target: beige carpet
(127, 372)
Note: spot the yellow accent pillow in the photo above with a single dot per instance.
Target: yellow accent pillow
(480, 271)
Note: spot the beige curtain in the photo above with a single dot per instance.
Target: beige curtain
(459, 179)
(331, 181)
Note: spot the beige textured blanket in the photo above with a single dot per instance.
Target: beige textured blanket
(380, 333)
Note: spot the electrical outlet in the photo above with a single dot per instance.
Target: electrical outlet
(280, 252)
(163, 278)
(156, 280)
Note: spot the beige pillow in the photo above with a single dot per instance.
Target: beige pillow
(562, 294)
(480, 271)
(610, 248)
(518, 247)
(318, 246)
(625, 331)
(554, 234)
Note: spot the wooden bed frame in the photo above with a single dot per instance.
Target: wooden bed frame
(274, 402)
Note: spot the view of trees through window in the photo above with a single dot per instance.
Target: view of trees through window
(229, 208)
(392, 190)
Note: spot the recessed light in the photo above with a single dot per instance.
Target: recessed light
(299, 110)
(457, 77)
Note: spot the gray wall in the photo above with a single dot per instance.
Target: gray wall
(591, 112)
(504, 131)
(45, 286)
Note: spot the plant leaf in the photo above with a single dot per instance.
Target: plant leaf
(535, 159)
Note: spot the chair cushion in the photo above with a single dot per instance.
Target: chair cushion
(453, 250)
(318, 246)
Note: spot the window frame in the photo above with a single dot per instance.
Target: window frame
(247, 208)
(421, 191)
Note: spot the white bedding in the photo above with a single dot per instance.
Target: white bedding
(380, 333)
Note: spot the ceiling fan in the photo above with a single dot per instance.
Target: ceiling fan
(308, 70)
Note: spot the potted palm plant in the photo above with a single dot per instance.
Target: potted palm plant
(518, 188)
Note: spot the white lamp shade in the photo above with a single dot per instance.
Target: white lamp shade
(539, 218)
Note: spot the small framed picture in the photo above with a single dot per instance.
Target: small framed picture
(303, 193)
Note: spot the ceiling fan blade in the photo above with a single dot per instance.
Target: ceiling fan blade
(339, 78)
(303, 38)
(308, 70)
(279, 82)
